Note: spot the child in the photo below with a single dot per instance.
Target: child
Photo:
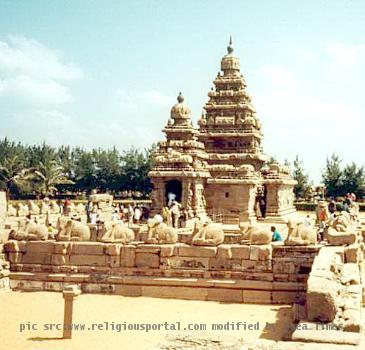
(276, 236)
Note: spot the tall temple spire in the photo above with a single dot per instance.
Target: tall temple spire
(230, 48)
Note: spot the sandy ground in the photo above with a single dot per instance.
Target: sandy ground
(42, 308)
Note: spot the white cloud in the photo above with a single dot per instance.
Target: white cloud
(278, 77)
(33, 74)
(157, 98)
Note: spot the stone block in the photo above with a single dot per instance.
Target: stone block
(127, 256)
(260, 252)
(147, 260)
(224, 264)
(40, 247)
(321, 299)
(240, 252)
(53, 286)
(177, 262)
(60, 259)
(225, 295)
(15, 258)
(37, 258)
(128, 290)
(284, 297)
(87, 248)
(62, 247)
(98, 288)
(188, 293)
(113, 249)
(89, 260)
(195, 251)
(224, 251)
(113, 260)
(352, 321)
(148, 248)
(26, 285)
(352, 253)
(15, 246)
(168, 250)
(341, 238)
(286, 267)
(256, 296)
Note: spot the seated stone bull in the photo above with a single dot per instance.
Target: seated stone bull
(159, 232)
(206, 233)
(33, 208)
(117, 233)
(29, 231)
(342, 230)
(71, 230)
(11, 210)
(23, 209)
(255, 234)
(299, 234)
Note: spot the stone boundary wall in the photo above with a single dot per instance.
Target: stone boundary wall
(269, 274)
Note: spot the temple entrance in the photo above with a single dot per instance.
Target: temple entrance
(173, 191)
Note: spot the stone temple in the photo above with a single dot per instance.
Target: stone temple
(219, 169)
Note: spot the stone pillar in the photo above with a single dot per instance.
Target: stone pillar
(3, 210)
(69, 294)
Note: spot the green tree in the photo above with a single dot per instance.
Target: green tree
(353, 180)
(12, 174)
(301, 189)
(332, 176)
(46, 177)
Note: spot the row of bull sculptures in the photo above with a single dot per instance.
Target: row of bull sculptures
(203, 232)
(46, 207)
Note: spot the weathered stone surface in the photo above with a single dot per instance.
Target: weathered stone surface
(128, 290)
(40, 247)
(260, 252)
(240, 252)
(195, 251)
(147, 260)
(36, 258)
(15, 246)
(321, 299)
(224, 251)
(60, 259)
(127, 256)
(256, 297)
(89, 248)
(225, 295)
(341, 238)
(175, 292)
(62, 247)
(112, 249)
(90, 260)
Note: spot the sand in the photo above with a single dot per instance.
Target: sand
(42, 308)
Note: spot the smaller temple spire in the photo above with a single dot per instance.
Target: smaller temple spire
(230, 48)
(180, 98)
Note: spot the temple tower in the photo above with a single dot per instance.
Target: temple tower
(232, 135)
(180, 166)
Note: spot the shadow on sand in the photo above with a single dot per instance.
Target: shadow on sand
(282, 328)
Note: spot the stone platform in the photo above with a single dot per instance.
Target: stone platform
(269, 274)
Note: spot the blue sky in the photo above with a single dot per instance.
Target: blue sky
(105, 73)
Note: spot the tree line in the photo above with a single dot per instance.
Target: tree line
(43, 170)
(337, 178)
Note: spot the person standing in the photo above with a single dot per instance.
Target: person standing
(137, 214)
(175, 212)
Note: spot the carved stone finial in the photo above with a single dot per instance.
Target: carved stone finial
(180, 98)
(230, 47)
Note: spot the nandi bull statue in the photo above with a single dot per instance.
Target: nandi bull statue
(71, 230)
(117, 233)
(299, 234)
(159, 232)
(29, 231)
(254, 234)
(206, 233)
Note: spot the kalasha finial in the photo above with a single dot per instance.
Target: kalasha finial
(230, 47)
(180, 98)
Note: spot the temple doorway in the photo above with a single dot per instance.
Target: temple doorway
(173, 191)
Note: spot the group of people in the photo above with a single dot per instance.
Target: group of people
(131, 214)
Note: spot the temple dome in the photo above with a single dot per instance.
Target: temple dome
(180, 110)
(229, 61)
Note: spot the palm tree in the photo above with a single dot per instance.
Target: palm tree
(46, 176)
(12, 173)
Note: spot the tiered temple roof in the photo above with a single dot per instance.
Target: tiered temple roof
(229, 127)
